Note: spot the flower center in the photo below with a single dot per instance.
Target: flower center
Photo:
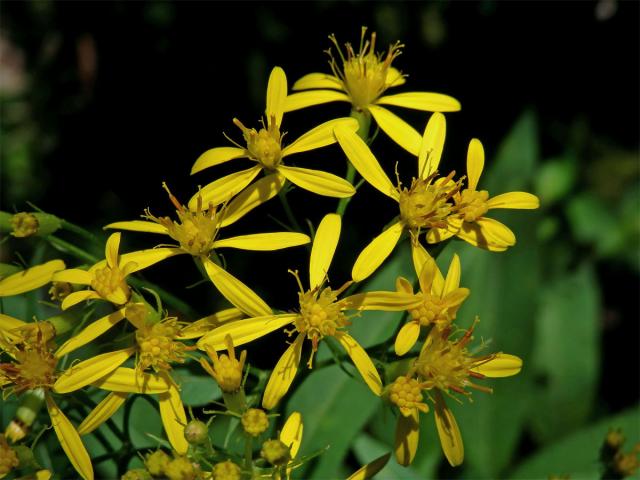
(34, 367)
(364, 74)
(157, 348)
(472, 204)
(320, 315)
(433, 310)
(426, 204)
(406, 393)
(265, 145)
(24, 225)
(254, 421)
(110, 284)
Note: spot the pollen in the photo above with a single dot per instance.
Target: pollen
(226, 369)
(264, 145)
(226, 470)
(406, 393)
(24, 225)
(156, 346)
(472, 204)
(255, 421)
(426, 204)
(110, 284)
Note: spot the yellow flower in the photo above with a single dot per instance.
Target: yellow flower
(468, 221)
(320, 314)
(440, 297)
(425, 205)
(226, 369)
(196, 233)
(265, 148)
(444, 367)
(362, 81)
(29, 279)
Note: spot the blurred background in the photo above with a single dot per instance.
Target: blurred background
(103, 101)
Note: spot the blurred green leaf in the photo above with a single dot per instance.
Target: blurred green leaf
(367, 449)
(196, 390)
(555, 179)
(567, 355)
(577, 455)
(144, 420)
(592, 222)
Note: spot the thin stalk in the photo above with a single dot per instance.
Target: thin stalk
(282, 195)
(66, 247)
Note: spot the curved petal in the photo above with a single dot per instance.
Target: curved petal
(102, 412)
(174, 419)
(300, 100)
(407, 338)
(323, 248)
(291, 434)
(318, 80)
(318, 181)
(84, 373)
(283, 374)
(111, 249)
(395, 78)
(519, 200)
(421, 258)
(403, 285)
(370, 469)
(487, 233)
(90, 332)
(386, 301)
(245, 331)
(128, 380)
(69, 440)
(407, 437)
(235, 291)
(452, 281)
(142, 258)
(224, 188)
(73, 275)
(8, 323)
(320, 136)
(362, 362)
(276, 94)
(400, 131)
(77, 297)
(252, 196)
(501, 365)
(376, 252)
(138, 226)
(30, 279)
(448, 431)
(216, 156)
(426, 101)
(205, 325)
(264, 241)
(432, 145)
(475, 163)
(364, 162)
(436, 235)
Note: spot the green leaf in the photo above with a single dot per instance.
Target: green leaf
(592, 222)
(196, 390)
(577, 455)
(367, 449)
(567, 357)
(555, 179)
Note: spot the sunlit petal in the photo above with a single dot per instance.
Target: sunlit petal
(224, 188)
(448, 431)
(90, 332)
(245, 331)
(407, 338)
(453, 275)
(78, 297)
(300, 100)
(426, 101)
(324, 246)
(291, 434)
(519, 200)
(376, 252)
(138, 226)
(276, 95)
(205, 325)
(501, 365)
(400, 131)
(387, 301)
(320, 136)
(318, 181)
(216, 156)
(475, 162)
(407, 437)
(252, 196)
(283, 374)
(127, 380)
(317, 80)
(487, 233)
(362, 362)
(102, 412)
(264, 241)
(30, 279)
(142, 259)
(432, 145)
(394, 78)
(370, 469)
(73, 275)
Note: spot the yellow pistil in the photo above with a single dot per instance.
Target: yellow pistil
(226, 369)
(109, 282)
(8, 457)
(264, 146)
(24, 225)
(406, 393)
(195, 231)
(364, 74)
(472, 204)
(226, 470)
(255, 421)
(426, 204)
(157, 348)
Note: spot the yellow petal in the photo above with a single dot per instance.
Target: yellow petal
(456, 297)
(245, 331)
(235, 291)
(421, 258)
(102, 412)
(387, 301)
(208, 323)
(318, 181)
(90, 332)
(77, 297)
(291, 434)
(407, 437)
(317, 80)
(394, 78)
(142, 259)
(30, 279)
(43, 475)
(276, 95)
(363, 363)
(370, 469)
(138, 226)
(73, 275)
(81, 374)
(111, 249)
(475, 163)
(426, 101)
(8, 323)
(400, 131)
(452, 281)
(252, 196)
(264, 241)
(174, 419)
(216, 156)
(127, 380)
(519, 200)
(487, 233)
(364, 162)
(407, 338)
(403, 285)
(435, 235)
(324, 246)
(300, 100)
(224, 188)
(502, 365)
(320, 136)
(376, 252)
(448, 431)
(283, 374)
(432, 145)
(70, 440)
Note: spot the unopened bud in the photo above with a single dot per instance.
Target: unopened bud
(275, 452)
(157, 462)
(196, 432)
(226, 470)
(255, 421)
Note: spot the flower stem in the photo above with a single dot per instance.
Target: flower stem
(282, 194)
(66, 247)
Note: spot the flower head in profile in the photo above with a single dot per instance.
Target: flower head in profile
(266, 149)
(362, 78)
(468, 220)
(445, 367)
(321, 314)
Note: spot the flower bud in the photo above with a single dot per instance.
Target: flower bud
(226, 470)
(255, 421)
(196, 432)
(275, 452)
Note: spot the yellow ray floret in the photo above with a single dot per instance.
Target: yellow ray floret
(29, 279)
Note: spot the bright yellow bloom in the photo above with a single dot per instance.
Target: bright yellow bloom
(320, 314)
(254, 421)
(265, 148)
(226, 369)
(29, 279)
(444, 367)
(468, 221)
(362, 80)
(197, 234)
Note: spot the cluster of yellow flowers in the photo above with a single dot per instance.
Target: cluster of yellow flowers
(432, 208)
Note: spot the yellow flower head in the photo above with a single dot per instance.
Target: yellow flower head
(157, 347)
(426, 204)
(275, 452)
(406, 393)
(264, 145)
(226, 470)
(226, 369)
(24, 225)
(255, 421)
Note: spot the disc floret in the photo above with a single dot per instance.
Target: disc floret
(472, 204)
(34, 366)
(426, 203)
(157, 346)
(226, 369)
(264, 146)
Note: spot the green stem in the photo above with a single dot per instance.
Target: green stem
(66, 247)
(248, 454)
(167, 297)
(72, 227)
(282, 195)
